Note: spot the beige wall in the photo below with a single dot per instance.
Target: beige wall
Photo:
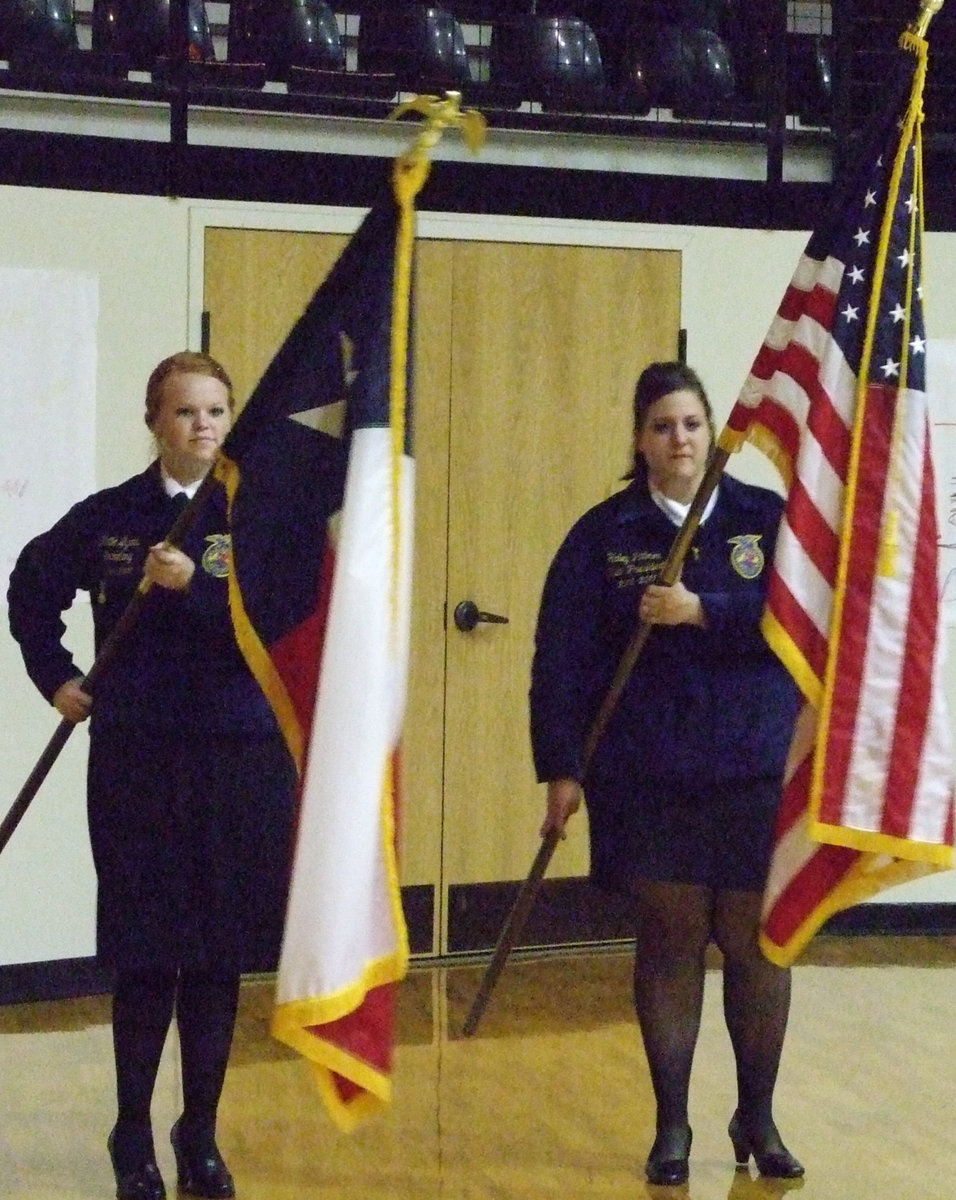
(137, 248)
(147, 255)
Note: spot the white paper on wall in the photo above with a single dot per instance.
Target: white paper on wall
(941, 387)
(47, 401)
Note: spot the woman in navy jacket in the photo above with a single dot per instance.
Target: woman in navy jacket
(683, 787)
(190, 787)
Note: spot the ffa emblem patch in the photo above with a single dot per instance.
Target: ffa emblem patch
(746, 557)
(217, 557)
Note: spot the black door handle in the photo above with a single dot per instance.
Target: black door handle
(467, 616)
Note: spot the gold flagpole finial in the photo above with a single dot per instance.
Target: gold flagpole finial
(442, 113)
(928, 10)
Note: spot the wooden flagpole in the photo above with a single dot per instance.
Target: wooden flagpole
(670, 573)
(111, 645)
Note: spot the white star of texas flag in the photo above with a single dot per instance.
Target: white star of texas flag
(330, 418)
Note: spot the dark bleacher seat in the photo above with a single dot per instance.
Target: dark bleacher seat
(282, 34)
(551, 59)
(689, 68)
(36, 32)
(139, 30)
(424, 47)
(810, 77)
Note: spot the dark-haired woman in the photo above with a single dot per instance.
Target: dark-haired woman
(190, 787)
(683, 788)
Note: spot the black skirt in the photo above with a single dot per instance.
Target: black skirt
(717, 835)
(192, 844)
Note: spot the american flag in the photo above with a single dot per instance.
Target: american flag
(837, 398)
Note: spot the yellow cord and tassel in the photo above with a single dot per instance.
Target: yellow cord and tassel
(408, 177)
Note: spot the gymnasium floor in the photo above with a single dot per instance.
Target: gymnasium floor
(549, 1100)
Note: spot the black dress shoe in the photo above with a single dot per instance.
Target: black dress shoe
(201, 1172)
(667, 1163)
(143, 1182)
(772, 1157)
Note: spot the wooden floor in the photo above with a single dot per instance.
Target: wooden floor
(550, 1099)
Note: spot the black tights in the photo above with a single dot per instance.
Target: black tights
(205, 1005)
(675, 923)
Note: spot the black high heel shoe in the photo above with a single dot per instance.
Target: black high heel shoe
(140, 1183)
(775, 1164)
(201, 1173)
(667, 1162)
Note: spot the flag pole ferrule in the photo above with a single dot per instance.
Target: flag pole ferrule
(928, 10)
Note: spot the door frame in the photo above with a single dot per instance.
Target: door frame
(451, 226)
(433, 227)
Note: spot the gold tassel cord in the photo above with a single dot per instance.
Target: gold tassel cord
(408, 177)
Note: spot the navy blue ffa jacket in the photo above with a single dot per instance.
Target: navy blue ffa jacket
(701, 704)
(179, 668)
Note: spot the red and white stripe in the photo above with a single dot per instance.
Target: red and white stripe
(853, 612)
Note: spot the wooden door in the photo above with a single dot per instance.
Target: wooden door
(526, 357)
(547, 344)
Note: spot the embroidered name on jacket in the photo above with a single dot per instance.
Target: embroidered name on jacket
(217, 557)
(637, 567)
(746, 557)
(121, 554)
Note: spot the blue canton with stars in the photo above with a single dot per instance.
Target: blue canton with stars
(898, 351)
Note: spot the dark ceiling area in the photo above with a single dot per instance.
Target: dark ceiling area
(733, 76)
